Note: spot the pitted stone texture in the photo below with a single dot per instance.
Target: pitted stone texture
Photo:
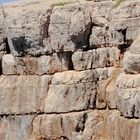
(73, 97)
(127, 9)
(126, 18)
(88, 125)
(107, 90)
(132, 63)
(51, 29)
(99, 58)
(23, 94)
(128, 102)
(16, 127)
(2, 33)
(35, 65)
(2, 39)
(75, 77)
(69, 26)
(135, 47)
(102, 37)
(125, 81)
(128, 95)
(132, 58)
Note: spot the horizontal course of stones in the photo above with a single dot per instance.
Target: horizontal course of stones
(87, 125)
(70, 72)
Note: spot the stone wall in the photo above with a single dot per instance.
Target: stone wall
(70, 70)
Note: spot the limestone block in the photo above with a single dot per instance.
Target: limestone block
(135, 47)
(73, 77)
(131, 63)
(128, 95)
(122, 11)
(23, 94)
(35, 65)
(89, 125)
(125, 81)
(16, 127)
(107, 90)
(100, 58)
(51, 28)
(86, 125)
(102, 37)
(67, 98)
(128, 102)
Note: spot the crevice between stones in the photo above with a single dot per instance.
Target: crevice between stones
(127, 43)
(7, 47)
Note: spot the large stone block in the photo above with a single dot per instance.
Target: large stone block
(103, 37)
(128, 97)
(23, 94)
(73, 77)
(52, 28)
(16, 127)
(128, 81)
(127, 9)
(99, 58)
(128, 102)
(35, 65)
(72, 97)
(135, 47)
(132, 63)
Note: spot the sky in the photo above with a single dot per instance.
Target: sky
(3, 1)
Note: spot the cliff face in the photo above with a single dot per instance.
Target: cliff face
(70, 70)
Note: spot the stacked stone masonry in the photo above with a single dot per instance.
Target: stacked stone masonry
(70, 70)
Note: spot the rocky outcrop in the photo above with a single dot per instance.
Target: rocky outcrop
(70, 70)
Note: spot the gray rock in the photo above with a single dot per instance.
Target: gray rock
(128, 95)
(135, 47)
(132, 63)
(128, 102)
(99, 58)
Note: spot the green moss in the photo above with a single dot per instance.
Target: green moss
(118, 3)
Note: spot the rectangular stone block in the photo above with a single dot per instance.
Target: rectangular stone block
(16, 127)
(23, 94)
(72, 97)
(35, 65)
(99, 58)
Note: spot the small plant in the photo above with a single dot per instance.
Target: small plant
(118, 3)
(60, 3)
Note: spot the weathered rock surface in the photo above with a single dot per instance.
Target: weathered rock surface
(128, 95)
(36, 65)
(87, 125)
(23, 94)
(70, 70)
(62, 98)
(99, 58)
